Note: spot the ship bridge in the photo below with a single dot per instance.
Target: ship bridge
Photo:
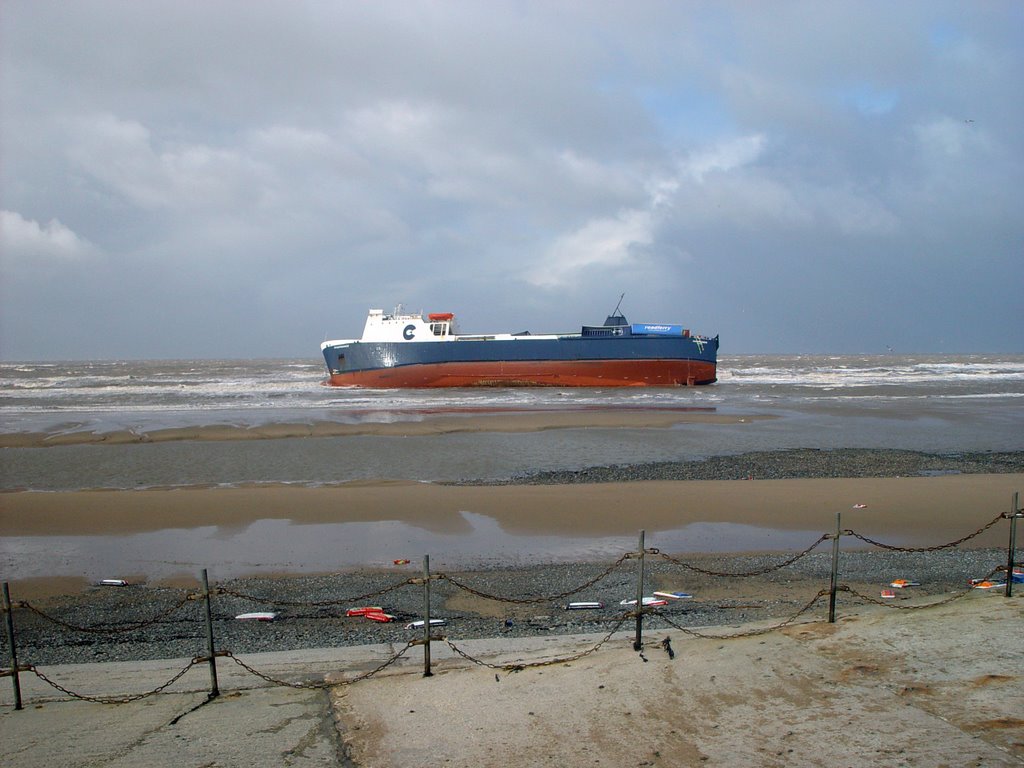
(400, 327)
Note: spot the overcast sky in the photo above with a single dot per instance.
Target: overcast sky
(245, 179)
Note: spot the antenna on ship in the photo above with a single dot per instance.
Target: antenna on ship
(615, 319)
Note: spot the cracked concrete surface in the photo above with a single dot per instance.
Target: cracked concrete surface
(942, 686)
(264, 726)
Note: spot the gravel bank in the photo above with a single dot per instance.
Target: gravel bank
(779, 465)
(311, 610)
(152, 622)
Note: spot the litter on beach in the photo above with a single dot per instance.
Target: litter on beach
(364, 610)
(113, 583)
(584, 605)
(986, 584)
(401, 562)
(418, 624)
(888, 594)
(903, 584)
(257, 616)
(860, 506)
(371, 612)
(651, 601)
(673, 595)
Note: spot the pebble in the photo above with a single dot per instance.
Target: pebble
(311, 609)
(724, 602)
(779, 465)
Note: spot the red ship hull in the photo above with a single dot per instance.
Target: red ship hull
(535, 373)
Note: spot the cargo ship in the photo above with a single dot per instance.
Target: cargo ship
(410, 350)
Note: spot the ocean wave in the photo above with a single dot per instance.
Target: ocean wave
(145, 395)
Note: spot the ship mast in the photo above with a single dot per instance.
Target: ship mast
(615, 312)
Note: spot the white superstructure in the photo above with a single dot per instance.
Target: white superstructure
(399, 326)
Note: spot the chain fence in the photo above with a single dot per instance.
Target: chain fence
(754, 632)
(668, 611)
(933, 548)
(521, 665)
(317, 603)
(319, 685)
(107, 628)
(958, 595)
(542, 599)
(113, 699)
(743, 574)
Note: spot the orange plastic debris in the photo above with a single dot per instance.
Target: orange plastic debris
(364, 610)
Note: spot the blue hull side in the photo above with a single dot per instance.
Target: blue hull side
(656, 360)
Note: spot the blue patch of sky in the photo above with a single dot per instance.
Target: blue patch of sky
(943, 35)
(686, 113)
(671, 94)
(867, 99)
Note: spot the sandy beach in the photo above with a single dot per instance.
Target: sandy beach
(880, 687)
(923, 507)
(934, 687)
(873, 689)
(909, 511)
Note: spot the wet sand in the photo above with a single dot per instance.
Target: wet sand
(404, 423)
(926, 507)
(913, 511)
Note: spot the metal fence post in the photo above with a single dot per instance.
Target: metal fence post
(211, 650)
(638, 643)
(9, 621)
(426, 616)
(1012, 548)
(833, 585)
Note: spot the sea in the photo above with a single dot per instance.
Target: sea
(930, 403)
(939, 404)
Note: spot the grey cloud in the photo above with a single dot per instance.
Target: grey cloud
(239, 178)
